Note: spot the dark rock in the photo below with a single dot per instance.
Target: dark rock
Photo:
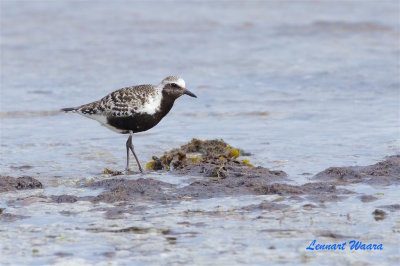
(379, 214)
(265, 206)
(63, 254)
(319, 191)
(279, 189)
(64, 199)
(124, 189)
(8, 217)
(392, 208)
(108, 254)
(8, 183)
(384, 173)
(368, 198)
(334, 235)
(309, 206)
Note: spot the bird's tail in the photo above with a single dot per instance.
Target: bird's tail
(70, 109)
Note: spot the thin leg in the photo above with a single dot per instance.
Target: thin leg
(137, 160)
(129, 145)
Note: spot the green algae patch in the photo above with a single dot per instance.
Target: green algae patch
(150, 165)
(247, 163)
(210, 158)
(233, 152)
(199, 152)
(111, 172)
(194, 159)
(206, 147)
(157, 164)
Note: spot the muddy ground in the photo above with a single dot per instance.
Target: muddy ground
(220, 173)
(8, 183)
(205, 195)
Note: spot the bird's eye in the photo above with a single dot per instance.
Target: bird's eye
(174, 85)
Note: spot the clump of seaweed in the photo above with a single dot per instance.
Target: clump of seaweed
(111, 172)
(247, 162)
(200, 152)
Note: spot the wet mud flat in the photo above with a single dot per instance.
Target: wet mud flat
(222, 192)
(220, 173)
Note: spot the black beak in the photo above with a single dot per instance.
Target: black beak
(189, 93)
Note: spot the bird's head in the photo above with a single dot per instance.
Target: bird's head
(175, 87)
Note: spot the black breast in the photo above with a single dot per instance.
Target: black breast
(139, 122)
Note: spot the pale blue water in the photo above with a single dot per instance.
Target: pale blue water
(326, 74)
(302, 85)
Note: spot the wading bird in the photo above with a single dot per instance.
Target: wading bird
(134, 109)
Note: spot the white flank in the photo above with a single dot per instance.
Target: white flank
(152, 104)
(102, 120)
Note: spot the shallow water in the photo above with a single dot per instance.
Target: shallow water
(301, 85)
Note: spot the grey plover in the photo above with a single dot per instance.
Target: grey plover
(134, 109)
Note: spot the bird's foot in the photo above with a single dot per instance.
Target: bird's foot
(127, 171)
(140, 169)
